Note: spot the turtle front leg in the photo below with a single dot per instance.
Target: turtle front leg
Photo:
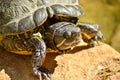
(39, 56)
(91, 33)
(34, 45)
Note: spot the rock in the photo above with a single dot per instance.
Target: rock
(98, 63)
(82, 63)
(3, 75)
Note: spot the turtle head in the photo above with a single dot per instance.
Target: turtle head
(65, 35)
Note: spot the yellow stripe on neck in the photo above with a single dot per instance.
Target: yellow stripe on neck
(86, 35)
(58, 45)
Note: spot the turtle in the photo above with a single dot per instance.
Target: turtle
(36, 27)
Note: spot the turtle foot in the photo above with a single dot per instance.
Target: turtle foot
(42, 73)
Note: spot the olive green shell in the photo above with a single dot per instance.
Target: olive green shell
(19, 16)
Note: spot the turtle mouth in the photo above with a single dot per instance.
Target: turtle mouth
(69, 43)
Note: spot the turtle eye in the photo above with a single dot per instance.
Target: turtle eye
(67, 35)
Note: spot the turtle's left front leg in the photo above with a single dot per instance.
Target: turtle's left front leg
(33, 45)
(91, 33)
(39, 56)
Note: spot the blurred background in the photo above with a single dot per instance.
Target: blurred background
(106, 13)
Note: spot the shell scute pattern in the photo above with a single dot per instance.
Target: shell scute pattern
(23, 15)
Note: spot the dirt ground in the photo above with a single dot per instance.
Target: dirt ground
(98, 63)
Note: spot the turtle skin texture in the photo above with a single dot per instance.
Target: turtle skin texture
(35, 27)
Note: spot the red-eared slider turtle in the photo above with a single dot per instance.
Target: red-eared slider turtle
(29, 26)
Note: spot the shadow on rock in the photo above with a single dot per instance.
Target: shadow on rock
(19, 67)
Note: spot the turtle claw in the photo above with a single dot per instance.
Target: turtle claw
(42, 73)
(45, 74)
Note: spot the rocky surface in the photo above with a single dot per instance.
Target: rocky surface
(3, 75)
(82, 63)
(98, 63)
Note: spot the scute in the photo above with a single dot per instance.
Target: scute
(10, 28)
(40, 15)
(23, 15)
(46, 2)
(25, 24)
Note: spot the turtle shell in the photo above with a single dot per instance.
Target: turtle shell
(19, 16)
